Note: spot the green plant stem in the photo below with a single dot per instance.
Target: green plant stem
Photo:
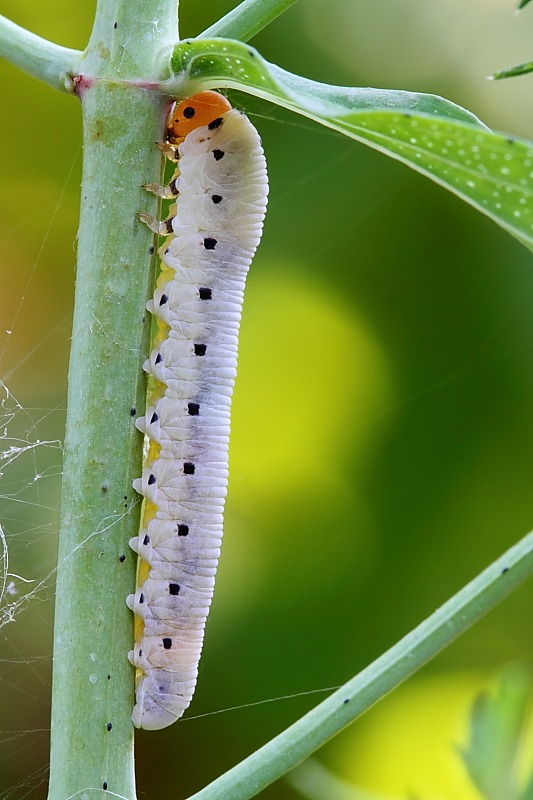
(312, 730)
(38, 57)
(247, 19)
(92, 693)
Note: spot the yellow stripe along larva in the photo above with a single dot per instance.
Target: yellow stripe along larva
(221, 189)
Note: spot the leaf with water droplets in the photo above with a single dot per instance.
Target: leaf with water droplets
(491, 171)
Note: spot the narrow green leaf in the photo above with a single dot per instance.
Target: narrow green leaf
(247, 19)
(511, 72)
(493, 172)
(523, 4)
(496, 736)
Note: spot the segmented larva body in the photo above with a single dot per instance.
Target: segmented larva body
(221, 189)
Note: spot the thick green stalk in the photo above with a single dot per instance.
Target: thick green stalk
(92, 733)
(312, 730)
(247, 19)
(38, 57)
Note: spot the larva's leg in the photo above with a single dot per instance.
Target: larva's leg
(169, 150)
(162, 228)
(166, 192)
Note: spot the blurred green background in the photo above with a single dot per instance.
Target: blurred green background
(382, 449)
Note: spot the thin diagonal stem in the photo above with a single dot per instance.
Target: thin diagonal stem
(247, 19)
(312, 730)
(44, 60)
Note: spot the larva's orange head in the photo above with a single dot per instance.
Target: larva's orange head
(199, 110)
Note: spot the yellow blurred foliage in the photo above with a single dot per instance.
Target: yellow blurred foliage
(408, 745)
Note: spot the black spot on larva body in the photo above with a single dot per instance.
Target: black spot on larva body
(143, 320)
(173, 188)
(164, 299)
(216, 198)
(407, 115)
(146, 539)
(151, 479)
(210, 243)
(251, 53)
(152, 251)
(189, 112)
(162, 689)
(193, 409)
(167, 643)
(133, 411)
(205, 294)
(109, 726)
(125, 497)
(504, 570)
(166, 251)
(346, 701)
(115, 25)
(173, 588)
(109, 677)
(188, 468)
(215, 124)
(104, 785)
(168, 224)
(140, 652)
(218, 154)
(158, 358)
(155, 417)
(141, 597)
(510, 141)
(122, 558)
(183, 530)
(104, 488)
(200, 349)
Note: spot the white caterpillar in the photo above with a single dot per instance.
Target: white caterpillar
(222, 185)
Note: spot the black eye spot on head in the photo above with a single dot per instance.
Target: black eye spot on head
(205, 294)
(193, 409)
(218, 154)
(173, 588)
(141, 597)
(158, 358)
(216, 198)
(155, 417)
(162, 689)
(164, 299)
(200, 349)
(183, 530)
(189, 112)
(140, 652)
(167, 643)
(109, 726)
(210, 243)
(215, 124)
(122, 558)
(188, 468)
(151, 479)
(133, 411)
(146, 539)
